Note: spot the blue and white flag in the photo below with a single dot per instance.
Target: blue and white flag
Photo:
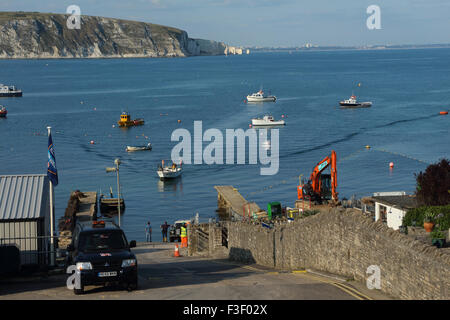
(52, 172)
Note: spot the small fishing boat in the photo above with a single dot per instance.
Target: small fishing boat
(353, 103)
(9, 91)
(267, 120)
(139, 148)
(260, 97)
(169, 172)
(109, 206)
(125, 121)
(3, 112)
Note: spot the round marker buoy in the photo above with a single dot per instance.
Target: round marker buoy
(367, 147)
(179, 121)
(391, 165)
(250, 125)
(92, 142)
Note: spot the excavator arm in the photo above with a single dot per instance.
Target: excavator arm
(315, 186)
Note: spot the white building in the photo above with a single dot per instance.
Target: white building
(391, 207)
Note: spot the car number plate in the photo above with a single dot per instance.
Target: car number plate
(107, 274)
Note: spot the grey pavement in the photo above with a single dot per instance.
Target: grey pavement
(165, 277)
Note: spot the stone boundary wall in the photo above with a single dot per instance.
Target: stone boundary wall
(346, 243)
(214, 245)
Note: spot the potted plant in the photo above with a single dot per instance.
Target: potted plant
(428, 221)
(438, 239)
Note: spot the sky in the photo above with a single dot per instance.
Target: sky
(274, 23)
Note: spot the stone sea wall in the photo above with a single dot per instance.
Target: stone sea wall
(346, 243)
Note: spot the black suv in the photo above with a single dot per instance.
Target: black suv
(101, 254)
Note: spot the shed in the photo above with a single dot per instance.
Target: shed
(25, 216)
(391, 207)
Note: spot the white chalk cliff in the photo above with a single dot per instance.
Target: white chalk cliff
(41, 35)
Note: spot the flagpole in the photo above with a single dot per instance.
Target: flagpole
(52, 224)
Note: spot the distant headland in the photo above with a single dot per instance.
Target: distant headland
(34, 35)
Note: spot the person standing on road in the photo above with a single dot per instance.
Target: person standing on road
(164, 228)
(148, 232)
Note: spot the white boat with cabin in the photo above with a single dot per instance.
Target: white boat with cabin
(260, 97)
(267, 120)
(169, 172)
(353, 103)
(9, 91)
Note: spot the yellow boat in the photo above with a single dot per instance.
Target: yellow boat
(125, 121)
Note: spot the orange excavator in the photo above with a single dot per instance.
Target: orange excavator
(320, 187)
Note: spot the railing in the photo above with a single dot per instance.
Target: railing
(224, 236)
(203, 240)
(34, 250)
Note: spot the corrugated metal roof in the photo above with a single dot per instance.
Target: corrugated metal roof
(23, 196)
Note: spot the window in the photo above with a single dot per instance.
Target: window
(102, 240)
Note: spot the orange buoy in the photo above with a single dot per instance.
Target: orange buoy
(92, 141)
(250, 125)
(179, 121)
(391, 165)
(443, 112)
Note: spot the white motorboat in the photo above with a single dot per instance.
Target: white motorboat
(9, 91)
(169, 172)
(353, 103)
(260, 97)
(140, 148)
(267, 120)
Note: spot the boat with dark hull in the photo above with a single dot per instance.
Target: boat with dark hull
(109, 206)
(353, 103)
(125, 121)
(9, 91)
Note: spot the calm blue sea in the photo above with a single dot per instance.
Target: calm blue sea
(82, 99)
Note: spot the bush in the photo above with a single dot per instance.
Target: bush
(441, 216)
(437, 235)
(433, 185)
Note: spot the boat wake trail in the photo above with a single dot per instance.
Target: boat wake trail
(322, 146)
(354, 134)
(406, 120)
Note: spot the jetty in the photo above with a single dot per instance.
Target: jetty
(230, 200)
(82, 206)
(87, 207)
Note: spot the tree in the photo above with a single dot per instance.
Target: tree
(433, 185)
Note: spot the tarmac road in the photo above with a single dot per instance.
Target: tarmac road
(164, 277)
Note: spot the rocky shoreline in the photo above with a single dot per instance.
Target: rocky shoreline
(46, 36)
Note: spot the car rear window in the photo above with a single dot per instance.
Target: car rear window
(102, 240)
